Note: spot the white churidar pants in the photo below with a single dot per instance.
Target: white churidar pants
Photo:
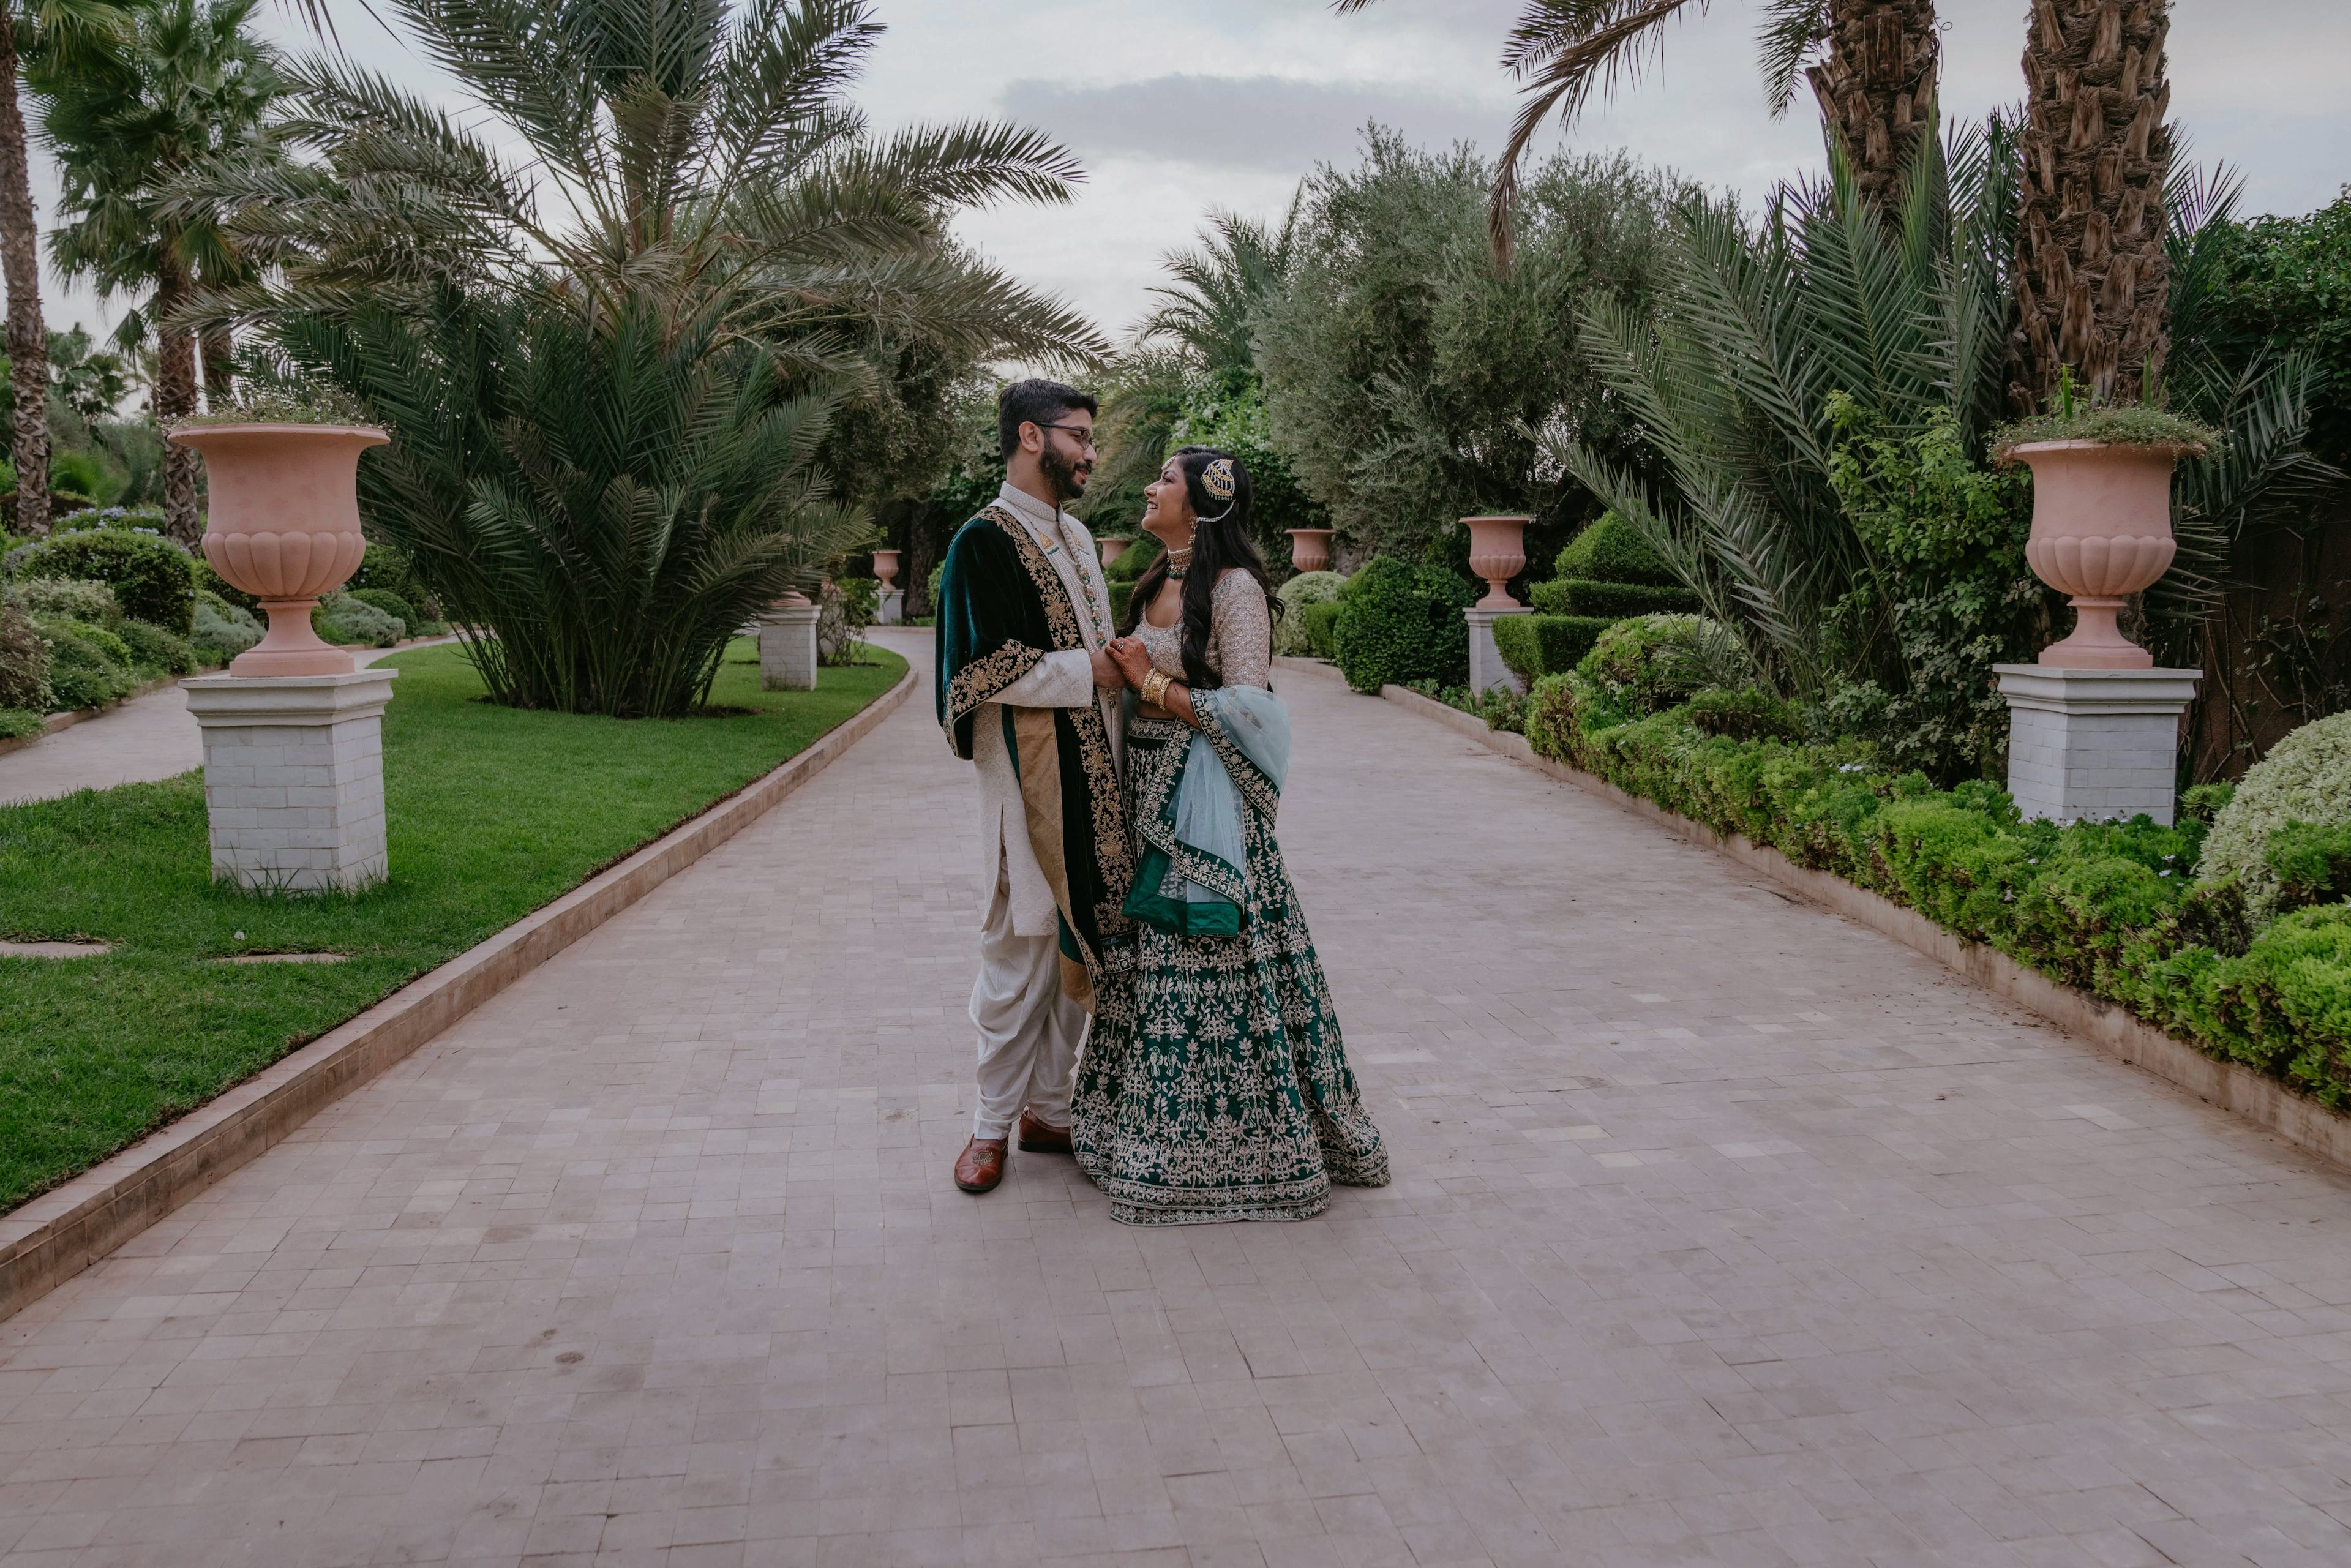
(1029, 1030)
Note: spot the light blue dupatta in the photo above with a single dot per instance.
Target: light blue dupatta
(1193, 880)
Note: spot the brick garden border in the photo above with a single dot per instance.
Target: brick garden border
(50, 1239)
(2233, 1086)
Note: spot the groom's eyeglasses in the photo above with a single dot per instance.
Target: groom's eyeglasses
(1083, 433)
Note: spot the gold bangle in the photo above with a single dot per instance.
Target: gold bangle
(1154, 687)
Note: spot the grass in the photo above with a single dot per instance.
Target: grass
(491, 813)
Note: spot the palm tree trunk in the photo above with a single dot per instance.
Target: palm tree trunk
(1876, 89)
(219, 352)
(20, 261)
(2093, 283)
(176, 398)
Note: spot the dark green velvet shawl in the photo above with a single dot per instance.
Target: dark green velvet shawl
(1001, 609)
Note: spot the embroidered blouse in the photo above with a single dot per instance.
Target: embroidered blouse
(1241, 635)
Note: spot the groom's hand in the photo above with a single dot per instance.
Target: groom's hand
(1106, 672)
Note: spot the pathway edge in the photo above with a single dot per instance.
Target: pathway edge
(2230, 1086)
(50, 1239)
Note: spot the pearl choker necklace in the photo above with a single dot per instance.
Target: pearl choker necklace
(1178, 563)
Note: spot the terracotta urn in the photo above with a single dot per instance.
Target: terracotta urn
(284, 526)
(2101, 531)
(885, 569)
(1112, 546)
(1310, 549)
(1498, 552)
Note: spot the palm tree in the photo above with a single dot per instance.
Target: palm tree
(186, 86)
(2093, 282)
(29, 29)
(1875, 80)
(1207, 310)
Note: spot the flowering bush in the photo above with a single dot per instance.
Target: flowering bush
(2305, 779)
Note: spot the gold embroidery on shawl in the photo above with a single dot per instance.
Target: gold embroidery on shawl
(981, 679)
(1037, 758)
(1113, 852)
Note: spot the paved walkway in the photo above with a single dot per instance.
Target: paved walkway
(1722, 1232)
(146, 739)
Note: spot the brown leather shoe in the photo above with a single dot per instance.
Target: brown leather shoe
(1041, 1138)
(980, 1166)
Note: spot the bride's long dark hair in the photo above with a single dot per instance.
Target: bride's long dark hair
(1220, 543)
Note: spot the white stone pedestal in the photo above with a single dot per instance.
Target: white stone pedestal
(1486, 670)
(787, 648)
(890, 609)
(2094, 745)
(294, 777)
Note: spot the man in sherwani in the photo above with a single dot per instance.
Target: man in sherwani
(1027, 694)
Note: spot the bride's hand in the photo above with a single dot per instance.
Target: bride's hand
(1133, 660)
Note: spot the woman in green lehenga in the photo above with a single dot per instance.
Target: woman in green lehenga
(1213, 1085)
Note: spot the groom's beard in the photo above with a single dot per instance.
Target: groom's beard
(1067, 478)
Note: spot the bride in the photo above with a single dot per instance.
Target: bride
(1219, 1090)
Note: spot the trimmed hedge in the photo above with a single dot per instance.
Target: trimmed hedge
(151, 577)
(2109, 907)
(1611, 550)
(344, 619)
(1320, 623)
(391, 604)
(1533, 646)
(1613, 601)
(2304, 779)
(1403, 623)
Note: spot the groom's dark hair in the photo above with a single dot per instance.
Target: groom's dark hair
(1034, 402)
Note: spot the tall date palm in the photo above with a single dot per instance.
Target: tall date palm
(1875, 79)
(185, 85)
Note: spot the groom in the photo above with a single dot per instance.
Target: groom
(1027, 695)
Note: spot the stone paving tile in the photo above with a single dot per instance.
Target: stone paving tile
(1722, 1232)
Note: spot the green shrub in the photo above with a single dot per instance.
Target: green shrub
(1135, 560)
(2311, 864)
(85, 473)
(1402, 624)
(84, 672)
(931, 586)
(1307, 588)
(1319, 622)
(77, 599)
(1652, 663)
(1121, 594)
(339, 618)
(1533, 646)
(388, 566)
(1744, 713)
(1611, 550)
(1613, 601)
(2306, 778)
(20, 722)
(153, 648)
(24, 663)
(222, 630)
(152, 579)
(2203, 802)
(391, 604)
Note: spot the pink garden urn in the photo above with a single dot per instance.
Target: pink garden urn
(284, 526)
(885, 569)
(1112, 546)
(1310, 549)
(1498, 552)
(2101, 531)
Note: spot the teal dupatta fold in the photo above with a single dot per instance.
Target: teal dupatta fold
(1190, 880)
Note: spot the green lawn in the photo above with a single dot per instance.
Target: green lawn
(492, 813)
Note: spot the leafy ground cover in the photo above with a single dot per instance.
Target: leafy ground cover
(492, 813)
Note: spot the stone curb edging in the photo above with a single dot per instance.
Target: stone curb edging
(54, 1236)
(2233, 1086)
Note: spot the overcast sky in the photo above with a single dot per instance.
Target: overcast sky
(1178, 106)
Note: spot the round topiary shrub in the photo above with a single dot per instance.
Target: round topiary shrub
(1652, 663)
(1307, 588)
(152, 577)
(84, 672)
(1744, 713)
(2306, 778)
(1611, 550)
(1400, 624)
(341, 618)
(391, 604)
(222, 630)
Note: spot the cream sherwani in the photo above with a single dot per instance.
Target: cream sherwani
(1029, 1030)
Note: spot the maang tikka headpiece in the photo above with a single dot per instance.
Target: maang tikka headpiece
(1217, 479)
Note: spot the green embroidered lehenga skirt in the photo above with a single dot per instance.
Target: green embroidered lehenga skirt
(1215, 1086)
